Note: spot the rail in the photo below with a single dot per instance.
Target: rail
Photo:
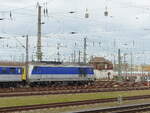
(52, 92)
(121, 109)
(65, 104)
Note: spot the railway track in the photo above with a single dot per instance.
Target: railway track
(12, 94)
(99, 86)
(121, 109)
(76, 103)
(96, 85)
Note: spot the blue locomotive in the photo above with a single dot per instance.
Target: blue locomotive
(11, 75)
(46, 74)
(60, 73)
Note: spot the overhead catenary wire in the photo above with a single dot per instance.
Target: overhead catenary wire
(72, 17)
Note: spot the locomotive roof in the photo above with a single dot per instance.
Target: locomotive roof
(60, 65)
(56, 64)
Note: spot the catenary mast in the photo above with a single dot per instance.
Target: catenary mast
(39, 51)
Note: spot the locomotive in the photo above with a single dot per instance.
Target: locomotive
(45, 74)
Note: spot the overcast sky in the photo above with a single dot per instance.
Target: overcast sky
(127, 27)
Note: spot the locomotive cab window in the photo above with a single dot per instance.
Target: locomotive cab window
(35, 67)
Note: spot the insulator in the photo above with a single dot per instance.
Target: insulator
(75, 43)
(106, 13)
(86, 15)
(10, 15)
(72, 32)
(37, 4)
(46, 11)
(71, 12)
(99, 43)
